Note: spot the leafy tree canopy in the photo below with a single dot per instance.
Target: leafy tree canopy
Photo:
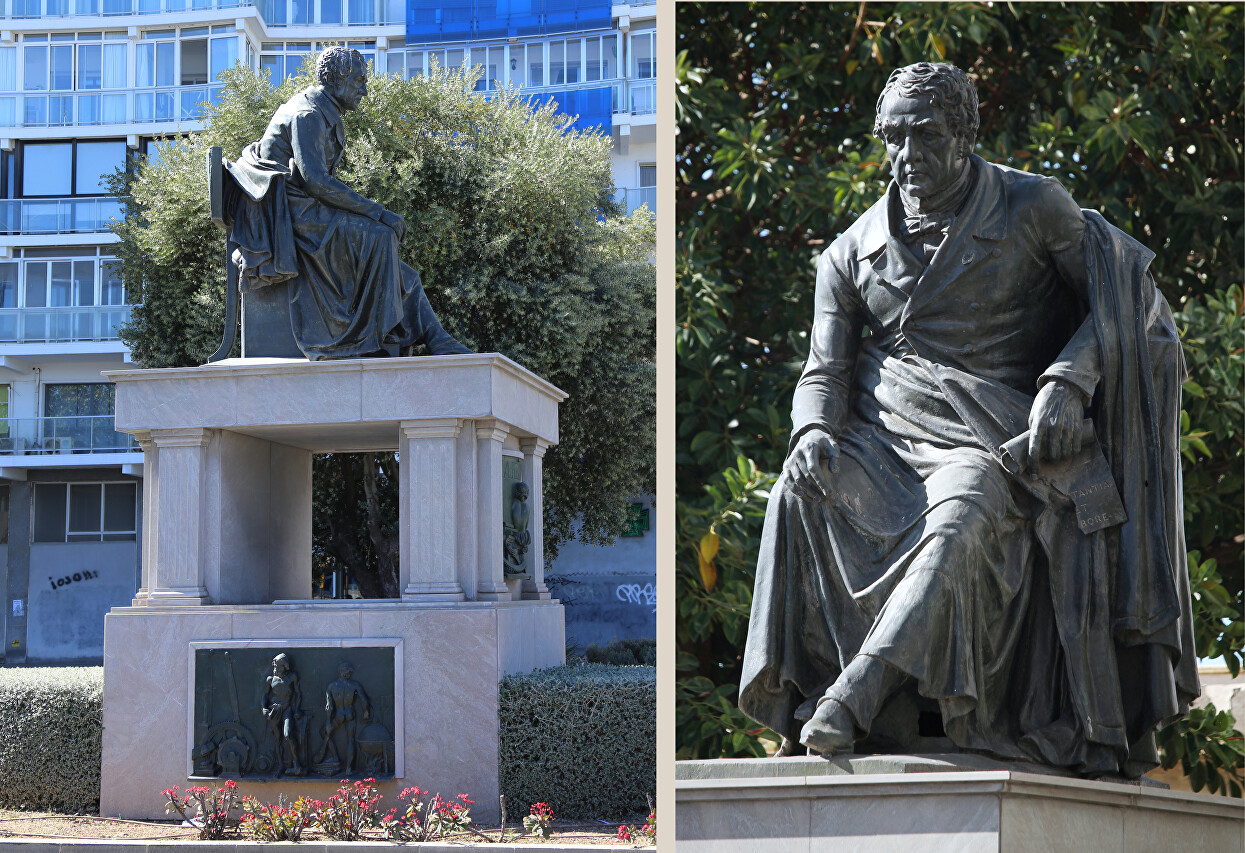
(522, 249)
(1135, 107)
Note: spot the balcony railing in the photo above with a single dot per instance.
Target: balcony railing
(277, 13)
(637, 197)
(641, 97)
(174, 103)
(27, 9)
(56, 325)
(58, 215)
(68, 435)
(354, 13)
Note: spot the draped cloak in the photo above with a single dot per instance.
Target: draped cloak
(1035, 640)
(293, 221)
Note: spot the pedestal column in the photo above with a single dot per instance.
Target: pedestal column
(534, 588)
(174, 539)
(427, 514)
(148, 486)
(490, 570)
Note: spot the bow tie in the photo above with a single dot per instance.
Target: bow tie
(934, 223)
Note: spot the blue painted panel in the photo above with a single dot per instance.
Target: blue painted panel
(593, 106)
(434, 21)
(593, 14)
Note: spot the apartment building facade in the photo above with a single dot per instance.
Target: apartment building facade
(85, 88)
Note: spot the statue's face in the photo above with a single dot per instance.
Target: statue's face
(923, 151)
(352, 90)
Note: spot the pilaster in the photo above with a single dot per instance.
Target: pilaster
(427, 515)
(490, 569)
(176, 532)
(534, 588)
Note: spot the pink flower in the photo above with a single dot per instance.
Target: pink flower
(624, 834)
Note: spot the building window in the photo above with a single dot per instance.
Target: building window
(85, 512)
(39, 295)
(70, 168)
(79, 399)
(282, 60)
(644, 55)
(648, 174)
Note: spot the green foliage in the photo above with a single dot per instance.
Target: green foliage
(513, 227)
(580, 738)
(1208, 749)
(642, 652)
(51, 731)
(1135, 107)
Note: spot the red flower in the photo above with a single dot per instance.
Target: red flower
(624, 834)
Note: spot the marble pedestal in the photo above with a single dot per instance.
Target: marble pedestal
(227, 553)
(879, 804)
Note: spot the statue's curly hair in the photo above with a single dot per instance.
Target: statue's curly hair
(336, 63)
(947, 88)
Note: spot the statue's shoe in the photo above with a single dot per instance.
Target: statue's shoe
(440, 342)
(831, 731)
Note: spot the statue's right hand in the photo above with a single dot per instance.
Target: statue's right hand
(810, 463)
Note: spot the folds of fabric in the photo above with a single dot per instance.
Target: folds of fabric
(1036, 640)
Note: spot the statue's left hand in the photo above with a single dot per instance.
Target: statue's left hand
(1055, 423)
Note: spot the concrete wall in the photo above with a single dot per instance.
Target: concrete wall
(66, 622)
(609, 592)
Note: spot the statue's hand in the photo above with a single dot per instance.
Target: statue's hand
(1055, 423)
(808, 466)
(396, 222)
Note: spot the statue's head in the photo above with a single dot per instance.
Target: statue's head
(281, 663)
(927, 118)
(345, 669)
(520, 491)
(342, 71)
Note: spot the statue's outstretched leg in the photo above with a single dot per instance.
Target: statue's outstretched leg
(427, 329)
(850, 705)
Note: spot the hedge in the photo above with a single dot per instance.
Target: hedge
(581, 738)
(51, 728)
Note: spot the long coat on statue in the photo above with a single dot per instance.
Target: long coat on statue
(1035, 640)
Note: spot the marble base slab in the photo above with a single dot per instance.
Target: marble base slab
(451, 657)
(878, 804)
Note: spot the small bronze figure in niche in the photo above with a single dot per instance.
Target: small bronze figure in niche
(345, 701)
(281, 707)
(517, 537)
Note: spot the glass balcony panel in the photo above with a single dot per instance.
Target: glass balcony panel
(51, 325)
(60, 110)
(89, 111)
(58, 215)
(164, 106)
(36, 111)
(41, 217)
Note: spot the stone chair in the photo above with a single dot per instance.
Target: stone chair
(267, 331)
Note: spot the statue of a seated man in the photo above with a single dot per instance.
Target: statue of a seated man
(915, 553)
(350, 294)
